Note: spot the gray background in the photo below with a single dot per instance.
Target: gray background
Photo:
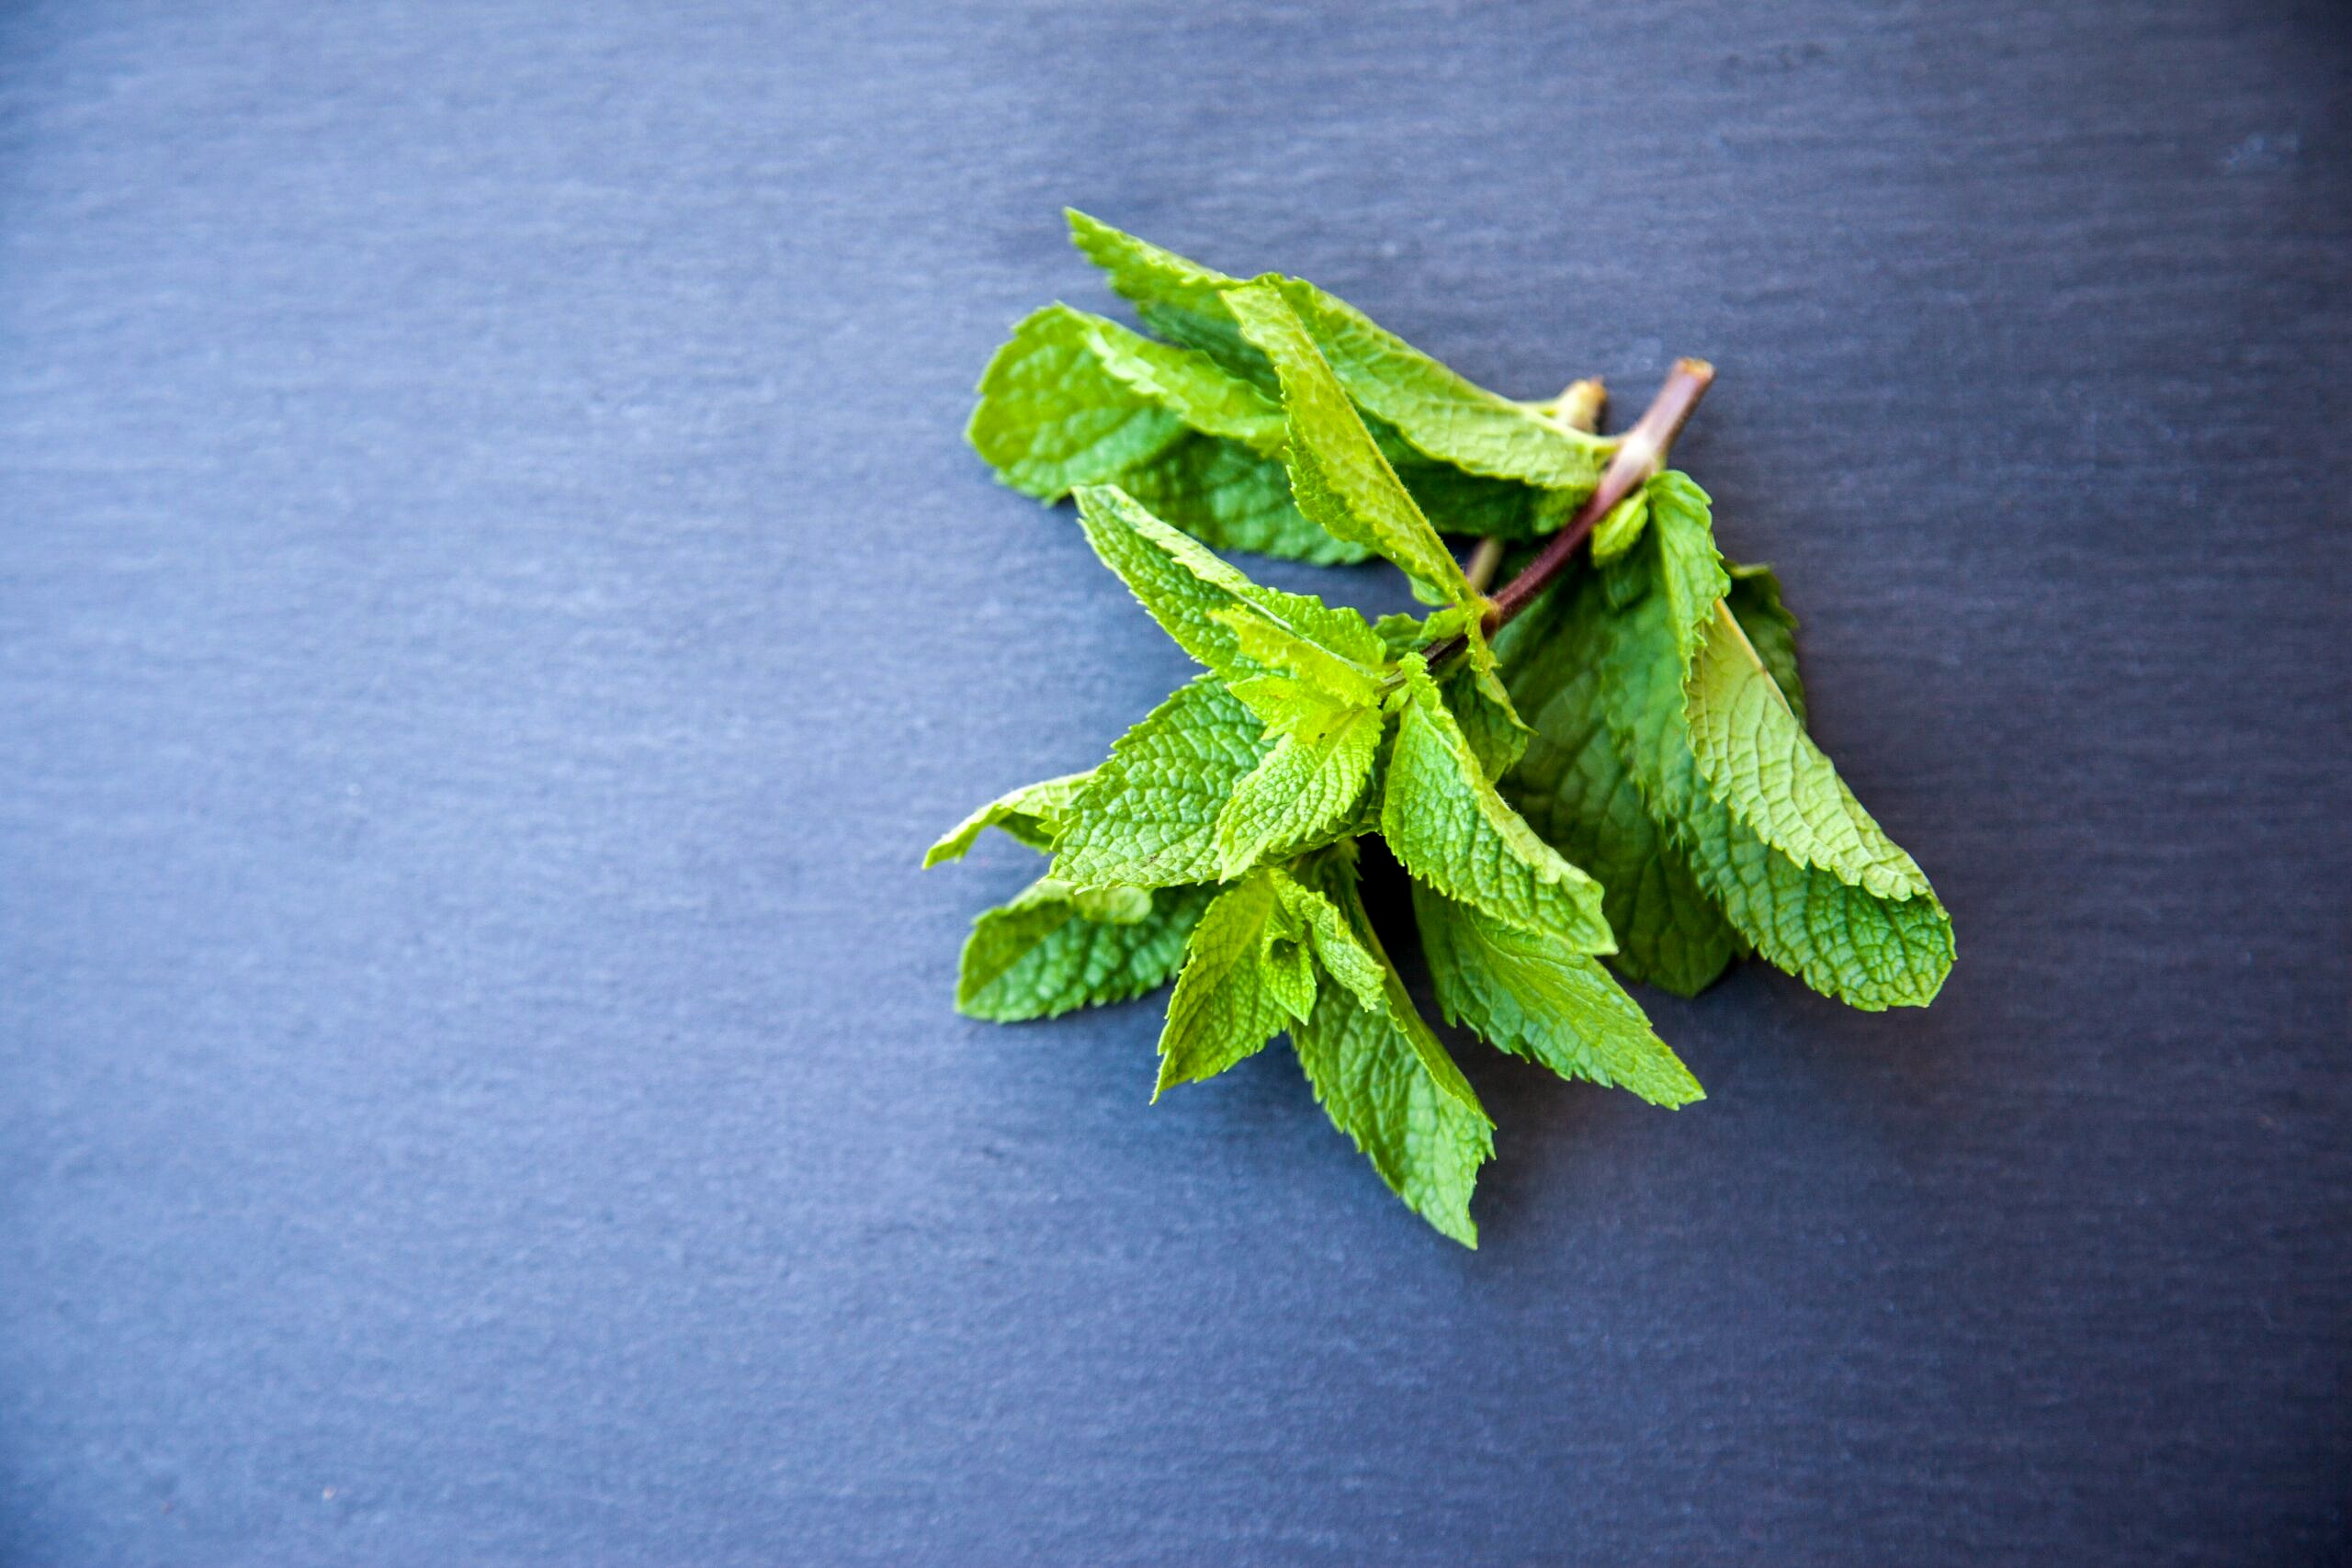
(493, 601)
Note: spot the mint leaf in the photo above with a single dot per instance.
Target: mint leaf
(1177, 298)
(1190, 384)
(1051, 416)
(1843, 940)
(1751, 749)
(1755, 601)
(1574, 788)
(1481, 703)
(1349, 949)
(1490, 724)
(1231, 498)
(1302, 790)
(1053, 949)
(1246, 978)
(1445, 823)
(1218, 615)
(1757, 760)
(1076, 400)
(1337, 474)
(1377, 1070)
(1335, 933)
(1438, 411)
(1368, 1076)
(1146, 817)
(1031, 814)
(1616, 532)
(1534, 997)
(1685, 569)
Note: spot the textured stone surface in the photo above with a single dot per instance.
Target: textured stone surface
(477, 1080)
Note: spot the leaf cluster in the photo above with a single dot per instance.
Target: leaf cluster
(1623, 773)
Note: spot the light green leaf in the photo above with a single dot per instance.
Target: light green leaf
(1684, 568)
(1236, 991)
(1301, 791)
(1031, 814)
(1400, 634)
(1436, 410)
(1440, 412)
(1474, 694)
(1045, 952)
(1616, 532)
(1336, 473)
(1332, 930)
(1534, 997)
(1352, 953)
(1190, 384)
(1076, 400)
(1051, 416)
(1232, 499)
(1201, 601)
(1334, 667)
(1758, 760)
(1574, 788)
(1375, 1067)
(1229, 498)
(1146, 817)
(1445, 823)
(1178, 299)
(1843, 940)
(1755, 601)
(1370, 1080)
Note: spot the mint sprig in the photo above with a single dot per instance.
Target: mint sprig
(1603, 765)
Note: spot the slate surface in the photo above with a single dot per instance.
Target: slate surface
(493, 599)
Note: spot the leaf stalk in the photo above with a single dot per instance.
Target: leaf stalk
(1641, 453)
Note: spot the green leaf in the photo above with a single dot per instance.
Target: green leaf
(1617, 533)
(1534, 997)
(1049, 951)
(1750, 745)
(1481, 703)
(1378, 1071)
(1331, 659)
(1368, 1076)
(1178, 299)
(1755, 601)
(1350, 950)
(1843, 940)
(1757, 760)
(1031, 814)
(1146, 817)
(1354, 960)
(1304, 789)
(1051, 416)
(1237, 990)
(1218, 615)
(1438, 411)
(1574, 788)
(1336, 473)
(1229, 498)
(1684, 568)
(1445, 823)
(1459, 502)
(1074, 400)
(1190, 384)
